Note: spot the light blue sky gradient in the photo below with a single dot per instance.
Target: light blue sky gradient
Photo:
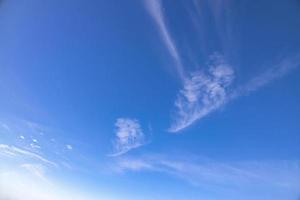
(149, 99)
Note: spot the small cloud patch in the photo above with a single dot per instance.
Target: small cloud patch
(69, 147)
(129, 135)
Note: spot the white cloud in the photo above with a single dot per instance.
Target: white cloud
(5, 126)
(154, 8)
(133, 165)
(12, 151)
(276, 71)
(129, 135)
(33, 141)
(35, 146)
(206, 91)
(238, 177)
(203, 92)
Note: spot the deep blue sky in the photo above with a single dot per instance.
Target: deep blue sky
(150, 99)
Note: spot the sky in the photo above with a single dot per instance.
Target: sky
(149, 99)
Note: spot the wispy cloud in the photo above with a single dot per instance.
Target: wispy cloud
(207, 91)
(35, 141)
(156, 11)
(37, 170)
(134, 165)
(12, 151)
(230, 177)
(15, 185)
(276, 71)
(4, 126)
(203, 92)
(30, 158)
(129, 135)
(69, 147)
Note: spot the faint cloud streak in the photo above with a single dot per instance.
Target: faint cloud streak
(233, 177)
(12, 151)
(154, 8)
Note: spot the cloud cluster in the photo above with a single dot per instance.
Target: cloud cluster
(129, 135)
(203, 92)
(34, 142)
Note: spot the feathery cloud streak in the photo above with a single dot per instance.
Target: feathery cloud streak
(154, 8)
(280, 69)
(12, 151)
(234, 178)
(203, 92)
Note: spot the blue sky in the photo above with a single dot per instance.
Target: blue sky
(149, 99)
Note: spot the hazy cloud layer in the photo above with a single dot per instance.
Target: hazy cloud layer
(16, 184)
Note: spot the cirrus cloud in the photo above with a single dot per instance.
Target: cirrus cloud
(129, 135)
(203, 92)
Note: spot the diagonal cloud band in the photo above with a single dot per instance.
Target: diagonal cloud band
(204, 93)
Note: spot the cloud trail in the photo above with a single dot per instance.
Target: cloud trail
(285, 66)
(154, 8)
(233, 178)
(12, 151)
